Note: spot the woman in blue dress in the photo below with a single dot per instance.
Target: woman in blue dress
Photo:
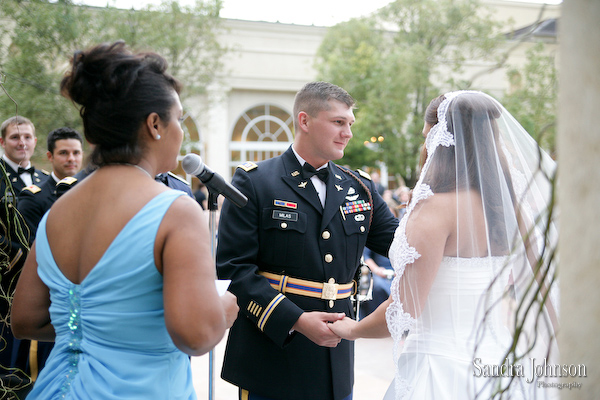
(120, 275)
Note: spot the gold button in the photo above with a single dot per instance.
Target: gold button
(283, 225)
(326, 235)
(328, 258)
(362, 228)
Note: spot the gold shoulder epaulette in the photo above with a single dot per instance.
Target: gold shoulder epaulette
(69, 180)
(364, 174)
(248, 166)
(45, 172)
(32, 188)
(178, 177)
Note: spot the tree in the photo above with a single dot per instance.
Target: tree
(185, 35)
(42, 35)
(39, 37)
(393, 63)
(533, 101)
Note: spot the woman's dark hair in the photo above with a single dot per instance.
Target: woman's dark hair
(117, 90)
(481, 158)
(431, 113)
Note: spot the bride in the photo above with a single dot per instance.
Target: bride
(473, 303)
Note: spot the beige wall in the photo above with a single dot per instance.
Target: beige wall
(521, 13)
(268, 63)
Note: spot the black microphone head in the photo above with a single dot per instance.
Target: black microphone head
(192, 164)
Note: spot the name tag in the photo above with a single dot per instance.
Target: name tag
(285, 215)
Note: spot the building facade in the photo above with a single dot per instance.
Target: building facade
(247, 115)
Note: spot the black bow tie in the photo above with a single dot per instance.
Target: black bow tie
(308, 171)
(22, 170)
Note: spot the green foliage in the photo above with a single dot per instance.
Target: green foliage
(184, 35)
(393, 63)
(38, 37)
(533, 100)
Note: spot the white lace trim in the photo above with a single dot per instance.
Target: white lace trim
(439, 134)
(402, 254)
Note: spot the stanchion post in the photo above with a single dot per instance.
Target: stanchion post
(213, 208)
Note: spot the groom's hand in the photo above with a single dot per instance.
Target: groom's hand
(315, 326)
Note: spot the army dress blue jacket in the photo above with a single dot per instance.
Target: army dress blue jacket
(8, 204)
(284, 229)
(33, 203)
(12, 353)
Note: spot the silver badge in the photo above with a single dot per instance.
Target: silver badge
(351, 195)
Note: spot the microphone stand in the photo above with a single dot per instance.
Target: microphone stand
(213, 208)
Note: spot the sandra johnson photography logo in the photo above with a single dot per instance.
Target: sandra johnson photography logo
(536, 369)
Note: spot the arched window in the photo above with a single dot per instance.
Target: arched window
(260, 133)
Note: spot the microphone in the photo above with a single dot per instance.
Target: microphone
(192, 164)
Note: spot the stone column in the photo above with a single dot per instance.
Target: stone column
(218, 130)
(579, 193)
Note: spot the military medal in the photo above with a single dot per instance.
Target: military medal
(352, 207)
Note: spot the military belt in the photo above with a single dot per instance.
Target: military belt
(326, 291)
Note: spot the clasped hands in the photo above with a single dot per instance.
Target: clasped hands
(325, 329)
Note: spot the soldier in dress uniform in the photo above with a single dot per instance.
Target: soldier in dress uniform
(170, 179)
(65, 154)
(292, 254)
(18, 141)
(67, 183)
(175, 182)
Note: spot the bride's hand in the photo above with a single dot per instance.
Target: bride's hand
(343, 328)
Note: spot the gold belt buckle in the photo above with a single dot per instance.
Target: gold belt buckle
(330, 290)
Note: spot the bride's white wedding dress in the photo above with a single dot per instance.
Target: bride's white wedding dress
(484, 189)
(437, 360)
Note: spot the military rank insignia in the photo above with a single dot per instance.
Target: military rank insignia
(356, 206)
(33, 189)
(248, 166)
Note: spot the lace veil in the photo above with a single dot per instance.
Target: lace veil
(474, 254)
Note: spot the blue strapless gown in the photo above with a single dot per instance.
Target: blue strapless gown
(111, 338)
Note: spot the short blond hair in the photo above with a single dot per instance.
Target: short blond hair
(16, 120)
(314, 97)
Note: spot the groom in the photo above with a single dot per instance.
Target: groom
(292, 254)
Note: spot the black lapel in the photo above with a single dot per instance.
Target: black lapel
(292, 176)
(14, 179)
(338, 185)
